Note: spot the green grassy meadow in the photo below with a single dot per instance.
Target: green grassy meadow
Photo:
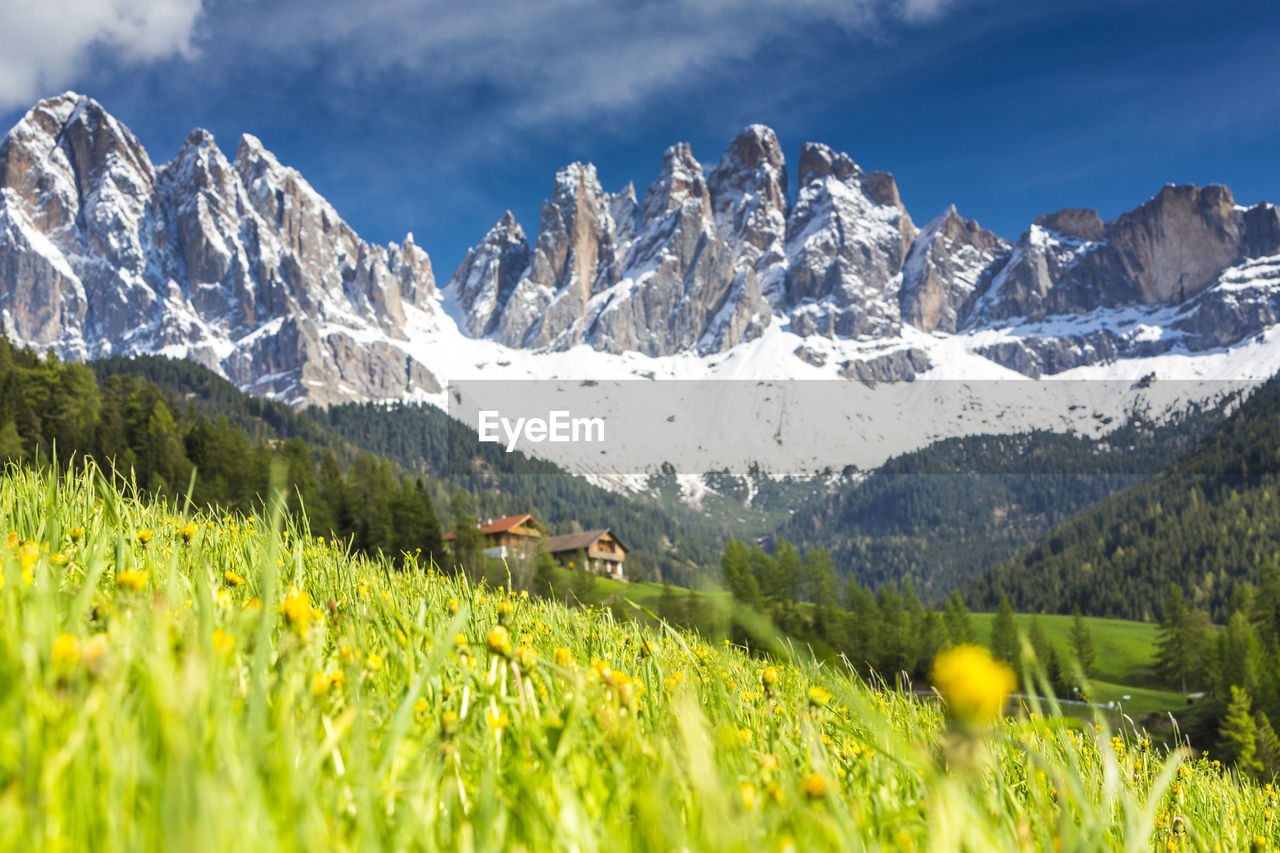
(1125, 653)
(177, 680)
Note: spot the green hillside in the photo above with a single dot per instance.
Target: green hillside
(1203, 522)
(422, 440)
(213, 682)
(940, 515)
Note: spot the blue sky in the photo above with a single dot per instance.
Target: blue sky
(435, 117)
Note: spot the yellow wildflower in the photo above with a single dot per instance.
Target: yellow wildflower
(974, 684)
(77, 533)
(189, 531)
(499, 640)
(814, 785)
(223, 643)
(374, 662)
(144, 536)
(131, 579)
(66, 651)
(296, 608)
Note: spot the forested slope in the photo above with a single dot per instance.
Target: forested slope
(938, 516)
(1203, 522)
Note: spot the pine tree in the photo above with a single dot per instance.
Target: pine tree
(958, 624)
(1268, 746)
(1082, 645)
(735, 563)
(1238, 735)
(1183, 639)
(1004, 635)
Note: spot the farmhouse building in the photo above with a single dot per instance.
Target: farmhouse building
(502, 536)
(604, 552)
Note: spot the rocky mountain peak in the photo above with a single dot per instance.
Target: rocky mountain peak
(847, 239)
(748, 190)
(483, 282)
(680, 182)
(1073, 222)
(818, 161)
(242, 267)
(1175, 244)
(950, 260)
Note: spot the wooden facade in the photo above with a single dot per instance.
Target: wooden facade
(511, 533)
(603, 550)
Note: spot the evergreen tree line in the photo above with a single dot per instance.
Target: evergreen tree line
(422, 440)
(1237, 665)
(939, 516)
(1204, 522)
(53, 412)
(885, 631)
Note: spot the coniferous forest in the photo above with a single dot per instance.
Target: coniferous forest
(378, 477)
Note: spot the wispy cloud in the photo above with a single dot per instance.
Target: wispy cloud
(44, 45)
(551, 60)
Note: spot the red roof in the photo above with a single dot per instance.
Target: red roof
(501, 525)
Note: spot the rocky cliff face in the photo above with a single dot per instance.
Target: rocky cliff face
(951, 259)
(241, 266)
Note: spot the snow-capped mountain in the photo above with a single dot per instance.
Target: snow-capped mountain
(720, 273)
(239, 265)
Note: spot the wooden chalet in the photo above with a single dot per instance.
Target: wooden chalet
(603, 550)
(511, 533)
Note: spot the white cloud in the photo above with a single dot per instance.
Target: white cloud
(546, 60)
(45, 45)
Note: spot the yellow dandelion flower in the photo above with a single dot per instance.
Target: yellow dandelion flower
(819, 697)
(374, 662)
(974, 684)
(189, 531)
(498, 640)
(223, 643)
(452, 607)
(297, 611)
(66, 651)
(562, 656)
(131, 579)
(814, 785)
(144, 536)
(76, 533)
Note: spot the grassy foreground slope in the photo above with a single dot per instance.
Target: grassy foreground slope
(187, 682)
